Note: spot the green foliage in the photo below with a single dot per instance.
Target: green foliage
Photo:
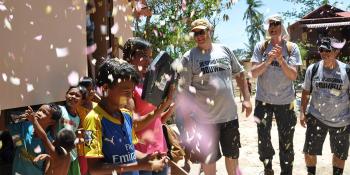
(255, 29)
(303, 50)
(169, 26)
(241, 54)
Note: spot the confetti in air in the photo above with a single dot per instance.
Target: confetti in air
(30, 87)
(62, 52)
(115, 29)
(110, 77)
(73, 78)
(2, 7)
(7, 24)
(38, 38)
(192, 89)
(37, 149)
(48, 9)
(4, 77)
(103, 29)
(15, 81)
(93, 61)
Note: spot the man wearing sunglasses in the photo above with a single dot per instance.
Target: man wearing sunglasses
(275, 63)
(327, 82)
(206, 105)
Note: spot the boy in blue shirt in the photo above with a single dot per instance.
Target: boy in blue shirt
(112, 136)
(28, 145)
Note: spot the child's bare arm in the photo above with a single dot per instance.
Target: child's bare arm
(39, 130)
(97, 167)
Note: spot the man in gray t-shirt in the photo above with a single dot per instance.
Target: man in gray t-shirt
(205, 102)
(327, 82)
(275, 63)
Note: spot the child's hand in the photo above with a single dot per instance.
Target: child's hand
(41, 157)
(157, 165)
(29, 114)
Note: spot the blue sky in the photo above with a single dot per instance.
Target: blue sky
(232, 34)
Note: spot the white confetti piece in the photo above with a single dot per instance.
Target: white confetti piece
(192, 89)
(115, 29)
(103, 29)
(30, 87)
(29, 6)
(15, 81)
(79, 27)
(38, 38)
(73, 78)
(2, 7)
(93, 61)
(62, 52)
(31, 22)
(110, 77)
(7, 24)
(4, 77)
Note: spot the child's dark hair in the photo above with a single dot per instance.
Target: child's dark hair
(65, 139)
(132, 45)
(86, 82)
(112, 71)
(56, 111)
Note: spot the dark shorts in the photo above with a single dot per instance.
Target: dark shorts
(316, 133)
(204, 145)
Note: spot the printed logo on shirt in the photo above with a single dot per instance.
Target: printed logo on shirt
(110, 140)
(215, 65)
(125, 158)
(329, 83)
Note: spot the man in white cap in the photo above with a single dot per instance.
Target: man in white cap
(327, 81)
(205, 102)
(275, 63)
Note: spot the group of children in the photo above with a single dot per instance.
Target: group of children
(117, 130)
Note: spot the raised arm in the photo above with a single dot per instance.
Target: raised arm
(164, 110)
(31, 116)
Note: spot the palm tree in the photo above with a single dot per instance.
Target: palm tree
(254, 20)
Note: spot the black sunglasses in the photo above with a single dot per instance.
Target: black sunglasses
(201, 32)
(324, 50)
(275, 23)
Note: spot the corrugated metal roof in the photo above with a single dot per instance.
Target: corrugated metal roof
(322, 25)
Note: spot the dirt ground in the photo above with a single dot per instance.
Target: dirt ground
(249, 158)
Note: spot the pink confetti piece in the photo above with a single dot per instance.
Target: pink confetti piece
(2, 7)
(37, 149)
(73, 78)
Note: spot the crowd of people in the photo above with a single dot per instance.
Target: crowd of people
(116, 130)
